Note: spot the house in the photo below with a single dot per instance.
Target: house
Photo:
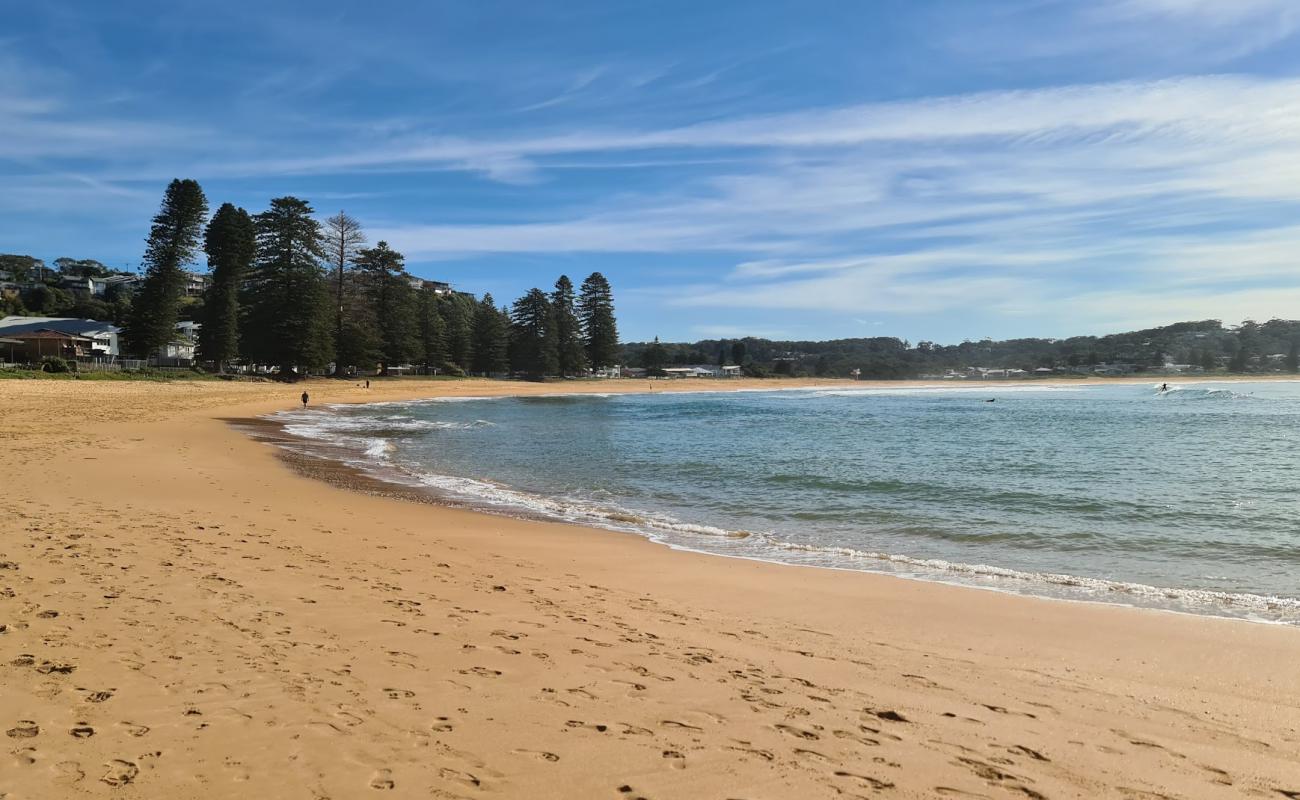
(730, 370)
(179, 352)
(36, 345)
(103, 336)
(437, 287)
(691, 372)
(196, 283)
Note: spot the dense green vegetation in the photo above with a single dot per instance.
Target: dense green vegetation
(1205, 345)
(290, 293)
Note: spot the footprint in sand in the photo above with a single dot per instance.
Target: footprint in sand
(538, 754)
(134, 729)
(99, 697)
(120, 773)
(25, 729)
(675, 759)
(382, 779)
(82, 731)
(68, 772)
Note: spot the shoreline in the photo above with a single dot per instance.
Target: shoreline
(258, 631)
(314, 457)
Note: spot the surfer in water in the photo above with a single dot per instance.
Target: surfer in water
(1164, 387)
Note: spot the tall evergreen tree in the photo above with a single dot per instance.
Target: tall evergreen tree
(534, 347)
(1293, 357)
(458, 311)
(568, 329)
(491, 338)
(599, 329)
(383, 275)
(231, 244)
(288, 320)
(341, 239)
(654, 357)
(433, 330)
(173, 243)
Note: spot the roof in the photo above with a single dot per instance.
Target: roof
(12, 326)
(28, 336)
(10, 341)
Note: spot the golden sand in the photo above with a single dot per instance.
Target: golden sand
(184, 617)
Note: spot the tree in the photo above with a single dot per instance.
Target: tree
(81, 268)
(382, 273)
(433, 330)
(47, 301)
(458, 311)
(231, 244)
(1208, 360)
(22, 268)
(341, 239)
(288, 318)
(568, 329)
(491, 338)
(739, 353)
(1293, 357)
(654, 357)
(533, 340)
(599, 329)
(1239, 359)
(173, 243)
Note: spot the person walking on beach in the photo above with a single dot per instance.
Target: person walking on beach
(305, 398)
(367, 383)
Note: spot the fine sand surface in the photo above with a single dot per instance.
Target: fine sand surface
(182, 616)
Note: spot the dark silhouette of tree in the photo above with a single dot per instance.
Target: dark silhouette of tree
(341, 238)
(491, 338)
(231, 244)
(382, 274)
(599, 329)
(568, 329)
(433, 330)
(533, 342)
(173, 243)
(288, 320)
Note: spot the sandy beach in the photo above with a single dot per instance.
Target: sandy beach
(184, 616)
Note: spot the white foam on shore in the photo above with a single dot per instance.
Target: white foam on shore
(345, 436)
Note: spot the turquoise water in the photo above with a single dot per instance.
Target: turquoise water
(1184, 500)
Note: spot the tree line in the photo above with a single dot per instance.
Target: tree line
(1250, 347)
(292, 293)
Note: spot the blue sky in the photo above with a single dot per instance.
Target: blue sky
(929, 169)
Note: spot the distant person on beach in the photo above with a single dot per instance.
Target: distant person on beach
(367, 383)
(305, 398)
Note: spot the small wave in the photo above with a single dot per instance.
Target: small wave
(1270, 607)
(1201, 393)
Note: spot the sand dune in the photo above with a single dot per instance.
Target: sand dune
(182, 616)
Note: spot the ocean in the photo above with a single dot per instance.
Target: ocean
(1184, 500)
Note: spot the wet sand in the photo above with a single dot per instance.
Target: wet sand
(183, 616)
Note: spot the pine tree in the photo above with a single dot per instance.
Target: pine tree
(458, 311)
(341, 239)
(568, 329)
(173, 243)
(231, 244)
(599, 329)
(491, 338)
(654, 357)
(739, 353)
(433, 331)
(286, 295)
(382, 273)
(533, 342)
(1293, 357)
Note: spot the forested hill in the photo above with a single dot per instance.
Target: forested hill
(1205, 345)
